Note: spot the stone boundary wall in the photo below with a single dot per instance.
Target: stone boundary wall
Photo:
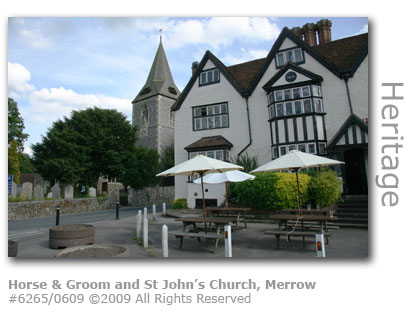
(47, 208)
(151, 195)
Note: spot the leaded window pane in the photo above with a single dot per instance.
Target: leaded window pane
(298, 55)
(217, 122)
(289, 108)
(210, 122)
(280, 110)
(225, 122)
(306, 91)
(307, 106)
(296, 93)
(280, 59)
(298, 106)
(279, 95)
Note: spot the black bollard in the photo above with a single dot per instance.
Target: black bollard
(57, 220)
(117, 210)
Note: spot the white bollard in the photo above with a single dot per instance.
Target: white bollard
(145, 232)
(227, 241)
(165, 252)
(145, 213)
(138, 224)
(164, 209)
(154, 212)
(320, 245)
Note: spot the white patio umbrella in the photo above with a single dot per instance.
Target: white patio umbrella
(200, 165)
(225, 177)
(296, 160)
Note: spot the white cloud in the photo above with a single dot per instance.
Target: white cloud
(244, 56)
(18, 81)
(214, 32)
(39, 33)
(47, 105)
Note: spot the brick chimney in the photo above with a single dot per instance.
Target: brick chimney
(324, 31)
(310, 36)
(194, 67)
(298, 32)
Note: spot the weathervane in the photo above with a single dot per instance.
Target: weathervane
(160, 33)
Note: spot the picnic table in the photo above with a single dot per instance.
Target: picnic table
(321, 219)
(230, 211)
(323, 211)
(192, 228)
(285, 218)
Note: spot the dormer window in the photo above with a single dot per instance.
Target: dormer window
(209, 77)
(294, 55)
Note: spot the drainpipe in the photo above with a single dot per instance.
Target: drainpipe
(249, 126)
(348, 93)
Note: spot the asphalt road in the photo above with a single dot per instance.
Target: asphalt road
(23, 228)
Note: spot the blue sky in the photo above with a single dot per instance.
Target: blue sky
(56, 65)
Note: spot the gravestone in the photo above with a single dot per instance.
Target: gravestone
(92, 192)
(38, 192)
(49, 195)
(68, 192)
(27, 191)
(13, 189)
(56, 192)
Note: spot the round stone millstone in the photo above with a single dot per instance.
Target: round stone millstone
(71, 235)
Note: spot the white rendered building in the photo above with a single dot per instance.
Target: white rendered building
(304, 95)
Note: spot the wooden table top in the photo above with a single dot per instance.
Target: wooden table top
(228, 209)
(306, 217)
(207, 219)
(307, 211)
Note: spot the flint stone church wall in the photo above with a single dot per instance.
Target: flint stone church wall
(151, 195)
(46, 208)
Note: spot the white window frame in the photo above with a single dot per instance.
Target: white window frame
(205, 75)
(211, 117)
(290, 55)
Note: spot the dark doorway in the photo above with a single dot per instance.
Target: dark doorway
(356, 181)
(208, 202)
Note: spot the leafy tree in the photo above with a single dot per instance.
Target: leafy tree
(141, 168)
(16, 126)
(26, 163)
(168, 159)
(13, 163)
(92, 143)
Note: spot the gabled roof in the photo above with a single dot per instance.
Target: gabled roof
(291, 66)
(344, 54)
(209, 142)
(342, 57)
(160, 80)
(350, 121)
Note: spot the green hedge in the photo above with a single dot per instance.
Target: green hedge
(325, 188)
(278, 190)
(271, 191)
(179, 204)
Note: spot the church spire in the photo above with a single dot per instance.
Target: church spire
(160, 80)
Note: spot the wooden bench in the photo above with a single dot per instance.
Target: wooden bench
(311, 225)
(199, 235)
(290, 233)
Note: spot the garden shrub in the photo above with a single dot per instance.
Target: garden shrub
(179, 204)
(325, 188)
(271, 190)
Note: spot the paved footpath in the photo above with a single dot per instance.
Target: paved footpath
(247, 243)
